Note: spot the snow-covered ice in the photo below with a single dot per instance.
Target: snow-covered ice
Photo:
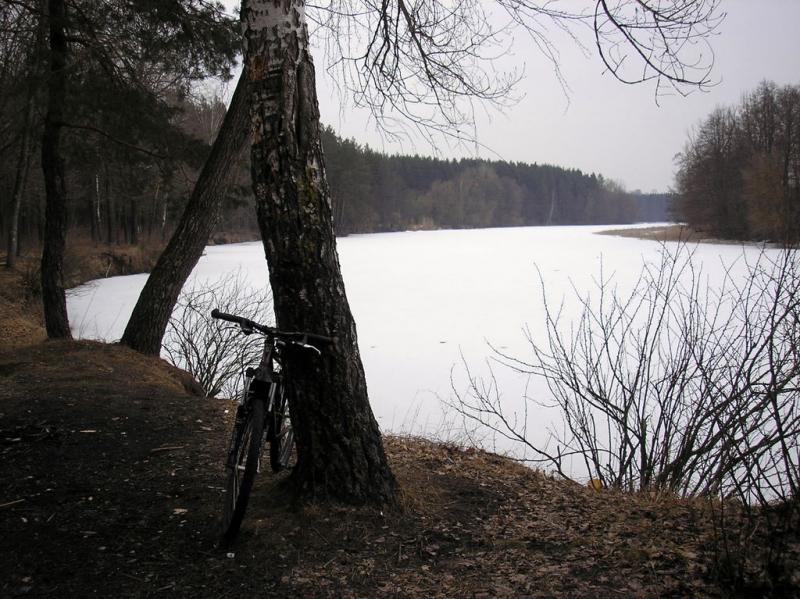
(422, 300)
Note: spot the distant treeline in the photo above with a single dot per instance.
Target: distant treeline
(739, 174)
(119, 194)
(133, 142)
(376, 192)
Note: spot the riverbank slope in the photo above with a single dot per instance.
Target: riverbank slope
(113, 475)
(112, 486)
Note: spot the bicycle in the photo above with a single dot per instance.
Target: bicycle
(262, 414)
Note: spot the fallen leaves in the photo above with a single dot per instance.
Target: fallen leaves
(136, 514)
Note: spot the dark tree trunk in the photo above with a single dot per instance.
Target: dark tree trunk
(123, 222)
(53, 298)
(35, 68)
(133, 222)
(109, 206)
(340, 452)
(151, 314)
(23, 165)
(92, 223)
(153, 211)
(97, 223)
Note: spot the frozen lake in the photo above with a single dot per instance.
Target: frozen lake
(424, 300)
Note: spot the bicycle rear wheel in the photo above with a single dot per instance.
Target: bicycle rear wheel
(242, 469)
(280, 435)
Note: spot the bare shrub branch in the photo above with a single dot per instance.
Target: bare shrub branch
(216, 355)
(676, 386)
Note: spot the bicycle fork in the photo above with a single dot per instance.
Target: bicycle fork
(243, 415)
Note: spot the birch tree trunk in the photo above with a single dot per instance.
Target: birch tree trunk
(55, 226)
(340, 452)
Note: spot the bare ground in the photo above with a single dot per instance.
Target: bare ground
(112, 486)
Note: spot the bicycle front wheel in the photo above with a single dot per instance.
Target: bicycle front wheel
(242, 469)
(280, 434)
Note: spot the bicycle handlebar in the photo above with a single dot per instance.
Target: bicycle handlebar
(246, 323)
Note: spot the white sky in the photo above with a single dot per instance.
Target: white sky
(604, 126)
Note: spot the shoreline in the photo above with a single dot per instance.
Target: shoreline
(664, 232)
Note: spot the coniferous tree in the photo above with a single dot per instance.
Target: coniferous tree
(135, 55)
(53, 297)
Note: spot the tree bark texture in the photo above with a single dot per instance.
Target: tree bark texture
(55, 228)
(153, 309)
(340, 452)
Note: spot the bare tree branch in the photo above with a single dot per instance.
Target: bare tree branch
(425, 63)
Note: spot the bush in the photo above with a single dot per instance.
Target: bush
(679, 388)
(216, 355)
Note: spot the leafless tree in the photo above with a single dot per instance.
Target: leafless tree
(676, 386)
(739, 173)
(216, 355)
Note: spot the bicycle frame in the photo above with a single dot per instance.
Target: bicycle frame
(264, 382)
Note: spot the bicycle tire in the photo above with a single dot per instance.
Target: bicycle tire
(243, 470)
(281, 434)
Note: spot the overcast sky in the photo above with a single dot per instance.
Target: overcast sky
(604, 126)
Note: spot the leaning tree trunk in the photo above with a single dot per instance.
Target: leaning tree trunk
(153, 309)
(55, 227)
(340, 453)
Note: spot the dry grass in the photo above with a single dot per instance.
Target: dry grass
(660, 233)
(20, 324)
(84, 260)
(17, 328)
(21, 319)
